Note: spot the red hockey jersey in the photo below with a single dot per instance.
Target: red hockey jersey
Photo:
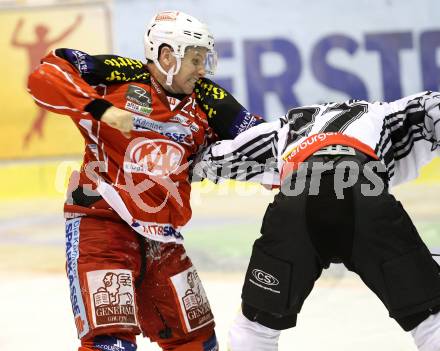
(144, 178)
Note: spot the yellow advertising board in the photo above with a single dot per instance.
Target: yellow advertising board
(27, 35)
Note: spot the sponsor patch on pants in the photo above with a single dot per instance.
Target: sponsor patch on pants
(72, 256)
(112, 297)
(191, 296)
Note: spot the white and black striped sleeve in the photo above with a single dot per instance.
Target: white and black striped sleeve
(251, 156)
(412, 136)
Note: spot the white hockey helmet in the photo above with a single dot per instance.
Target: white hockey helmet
(179, 31)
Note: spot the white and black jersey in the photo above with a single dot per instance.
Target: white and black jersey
(404, 134)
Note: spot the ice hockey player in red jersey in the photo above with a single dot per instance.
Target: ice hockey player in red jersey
(127, 267)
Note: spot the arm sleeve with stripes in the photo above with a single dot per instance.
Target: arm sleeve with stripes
(415, 135)
(251, 156)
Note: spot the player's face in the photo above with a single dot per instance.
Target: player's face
(191, 70)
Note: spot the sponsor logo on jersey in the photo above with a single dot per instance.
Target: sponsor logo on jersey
(290, 154)
(297, 154)
(178, 132)
(192, 299)
(112, 297)
(157, 231)
(119, 61)
(244, 121)
(140, 123)
(265, 278)
(138, 95)
(80, 61)
(143, 110)
(138, 100)
(72, 255)
(185, 121)
(181, 138)
(155, 157)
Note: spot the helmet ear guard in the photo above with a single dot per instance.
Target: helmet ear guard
(179, 31)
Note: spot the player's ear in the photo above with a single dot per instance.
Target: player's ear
(166, 57)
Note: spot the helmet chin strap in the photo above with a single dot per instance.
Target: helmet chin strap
(172, 71)
(170, 75)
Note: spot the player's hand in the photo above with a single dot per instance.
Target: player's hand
(119, 119)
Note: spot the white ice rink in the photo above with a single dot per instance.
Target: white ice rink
(340, 315)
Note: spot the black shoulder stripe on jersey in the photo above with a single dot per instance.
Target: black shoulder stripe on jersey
(249, 160)
(388, 158)
(241, 172)
(258, 155)
(391, 173)
(412, 118)
(250, 175)
(399, 149)
(247, 150)
(404, 151)
(255, 144)
(264, 155)
(406, 142)
(382, 142)
(398, 135)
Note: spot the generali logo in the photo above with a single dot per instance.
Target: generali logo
(265, 278)
(195, 301)
(156, 157)
(113, 297)
(194, 305)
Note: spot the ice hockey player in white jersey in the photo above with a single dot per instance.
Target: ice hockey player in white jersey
(334, 164)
